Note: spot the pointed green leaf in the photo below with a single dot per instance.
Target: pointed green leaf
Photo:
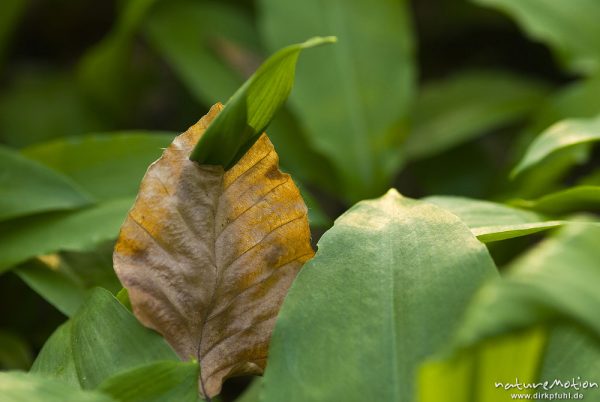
(559, 137)
(570, 28)
(574, 199)
(107, 339)
(384, 291)
(22, 239)
(27, 187)
(251, 108)
(55, 360)
(107, 165)
(490, 221)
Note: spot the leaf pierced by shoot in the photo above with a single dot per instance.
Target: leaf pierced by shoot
(208, 255)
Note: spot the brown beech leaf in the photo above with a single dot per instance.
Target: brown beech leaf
(208, 255)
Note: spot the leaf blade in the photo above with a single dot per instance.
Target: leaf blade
(207, 255)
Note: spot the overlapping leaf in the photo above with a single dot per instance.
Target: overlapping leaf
(207, 255)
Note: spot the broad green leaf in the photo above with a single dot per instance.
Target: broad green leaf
(81, 230)
(107, 165)
(353, 99)
(189, 35)
(559, 137)
(107, 339)
(251, 108)
(556, 279)
(459, 108)
(15, 352)
(63, 279)
(27, 187)
(384, 291)
(55, 360)
(22, 387)
(572, 199)
(491, 221)
(38, 106)
(570, 27)
(156, 382)
(472, 374)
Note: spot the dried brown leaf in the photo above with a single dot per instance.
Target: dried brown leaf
(208, 255)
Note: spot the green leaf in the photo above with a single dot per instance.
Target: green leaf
(462, 107)
(28, 187)
(101, 340)
(572, 352)
(471, 375)
(81, 230)
(107, 165)
(490, 221)
(559, 137)
(156, 382)
(570, 27)
(102, 72)
(107, 339)
(64, 279)
(55, 360)
(573, 199)
(383, 292)
(22, 387)
(188, 34)
(251, 108)
(15, 353)
(556, 279)
(38, 106)
(354, 98)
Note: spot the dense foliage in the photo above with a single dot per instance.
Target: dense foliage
(452, 142)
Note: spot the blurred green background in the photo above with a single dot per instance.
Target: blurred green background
(433, 97)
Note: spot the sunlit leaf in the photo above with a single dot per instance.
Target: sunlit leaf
(472, 374)
(22, 387)
(385, 290)
(570, 28)
(353, 98)
(26, 187)
(556, 279)
(80, 230)
(107, 165)
(459, 108)
(251, 108)
(490, 221)
(207, 255)
(156, 382)
(560, 136)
